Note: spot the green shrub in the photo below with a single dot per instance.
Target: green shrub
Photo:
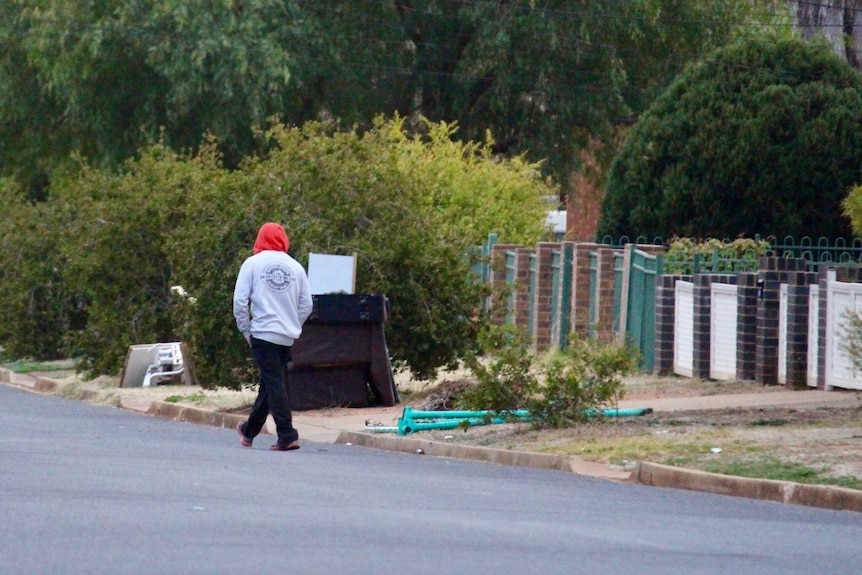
(580, 382)
(569, 387)
(91, 271)
(37, 307)
(504, 369)
(741, 254)
(763, 136)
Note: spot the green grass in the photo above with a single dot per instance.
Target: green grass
(772, 468)
(24, 366)
(196, 397)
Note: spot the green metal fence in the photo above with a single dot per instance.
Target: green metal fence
(817, 251)
(531, 309)
(561, 295)
(641, 278)
(640, 308)
(594, 302)
(511, 278)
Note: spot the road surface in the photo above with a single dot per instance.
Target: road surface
(96, 490)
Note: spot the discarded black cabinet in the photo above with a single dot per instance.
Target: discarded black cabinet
(341, 358)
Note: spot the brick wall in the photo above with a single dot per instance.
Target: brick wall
(665, 316)
(580, 302)
(773, 272)
(604, 320)
(541, 327)
(583, 205)
(746, 326)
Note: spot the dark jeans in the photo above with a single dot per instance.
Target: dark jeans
(272, 394)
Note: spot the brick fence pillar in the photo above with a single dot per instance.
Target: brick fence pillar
(665, 323)
(796, 364)
(746, 326)
(542, 296)
(604, 295)
(701, 336)
(499, 298)
(773, 272)
(520, 312)
(580, 302)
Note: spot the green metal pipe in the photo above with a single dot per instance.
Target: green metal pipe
(406, 427)
(634, 411)
(416, 414)
(414, 420)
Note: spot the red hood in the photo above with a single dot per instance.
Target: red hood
(271, 237)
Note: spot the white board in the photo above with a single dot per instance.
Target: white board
(331, 274)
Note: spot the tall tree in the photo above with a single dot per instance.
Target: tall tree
(102, 77)
(839, 21)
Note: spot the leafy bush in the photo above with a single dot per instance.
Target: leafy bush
(411, 209)
(580, 382)
(570, 387)
(504, 369)
(741, 254)
(763, 136)
(115, 248)
(37, 308)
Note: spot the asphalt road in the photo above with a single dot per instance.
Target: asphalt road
(90, 489)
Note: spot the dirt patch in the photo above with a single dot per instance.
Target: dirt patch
(825, 441)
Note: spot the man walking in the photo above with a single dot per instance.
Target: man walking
(271, 301)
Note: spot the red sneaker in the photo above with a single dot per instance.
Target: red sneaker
(243, 440)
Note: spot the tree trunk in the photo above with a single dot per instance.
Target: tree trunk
(838, 20)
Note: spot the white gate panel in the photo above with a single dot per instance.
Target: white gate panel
(782, 334)
(722, 335)
(813, 333)
(683, 342)
(840, 371)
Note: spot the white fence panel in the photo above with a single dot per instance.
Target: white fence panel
(813, 333)
(782, 334)
(840, 371)
(683, 342)
(723, 324)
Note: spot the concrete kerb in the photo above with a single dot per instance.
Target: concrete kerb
(823, 496)
(197, 415)
(645, 473)
(456, 451)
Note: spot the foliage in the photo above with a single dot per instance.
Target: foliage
(38, 307)
(851, 342)
(504, 369)
(763, 136)
(114, 244)
(580, 381)
(104, 77)
(412, 210)
(853, 208)
(119, 242)
(568, 388)
(713, 255)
